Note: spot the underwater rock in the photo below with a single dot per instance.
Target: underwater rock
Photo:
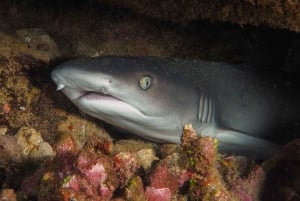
(101, 145)
(249, 187)
(143, 152)
(13, 48)
(162, 183)
(283, 174)
(32, 145)
(67, 146)
(3, 130)
(206, 181)
(277, 14)
(135, 190)
(234, 167)
(85, 50)
(95, 180)
(7, 194)
(91, 177)
(77, 174)
(131, 145)
(131, 155)
(23, 97)
(39, 40)
(169, 178)
(161, 194)
(192, 171)
(146, 157)
(85, 132)
(9, 150)
(168, 149)
(126, 166)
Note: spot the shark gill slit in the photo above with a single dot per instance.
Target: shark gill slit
(210, 106)
(206, 110)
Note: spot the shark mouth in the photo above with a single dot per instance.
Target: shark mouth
(103, 105)
(92, 95)
(75, 93)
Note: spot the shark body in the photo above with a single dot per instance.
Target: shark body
(144, 96)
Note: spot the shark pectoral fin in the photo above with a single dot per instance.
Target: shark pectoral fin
(237, 142)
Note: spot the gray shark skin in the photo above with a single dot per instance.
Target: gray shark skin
(144, 96)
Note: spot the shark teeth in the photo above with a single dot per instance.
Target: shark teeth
(60, 87)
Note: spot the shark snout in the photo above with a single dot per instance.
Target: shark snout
(55, 78)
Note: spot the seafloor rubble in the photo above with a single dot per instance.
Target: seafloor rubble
(102, 170)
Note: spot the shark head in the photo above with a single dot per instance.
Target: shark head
(130, 93)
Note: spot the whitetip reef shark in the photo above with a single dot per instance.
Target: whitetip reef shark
(144, 96)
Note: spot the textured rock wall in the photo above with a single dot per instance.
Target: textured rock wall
(282, 14)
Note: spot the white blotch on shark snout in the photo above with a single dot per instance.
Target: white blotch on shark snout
(104, 90)
(60, 86)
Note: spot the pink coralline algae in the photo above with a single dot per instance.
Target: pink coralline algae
(95, 178)
(158, 194)
(217, 178)
(247, 189)
(94, 172)
(78, 175)
(192, 171)
(162, 178)
(67, 152)
(167, 178)
(66, 145)
(125, 165)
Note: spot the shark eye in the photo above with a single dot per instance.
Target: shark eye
(145, 82)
